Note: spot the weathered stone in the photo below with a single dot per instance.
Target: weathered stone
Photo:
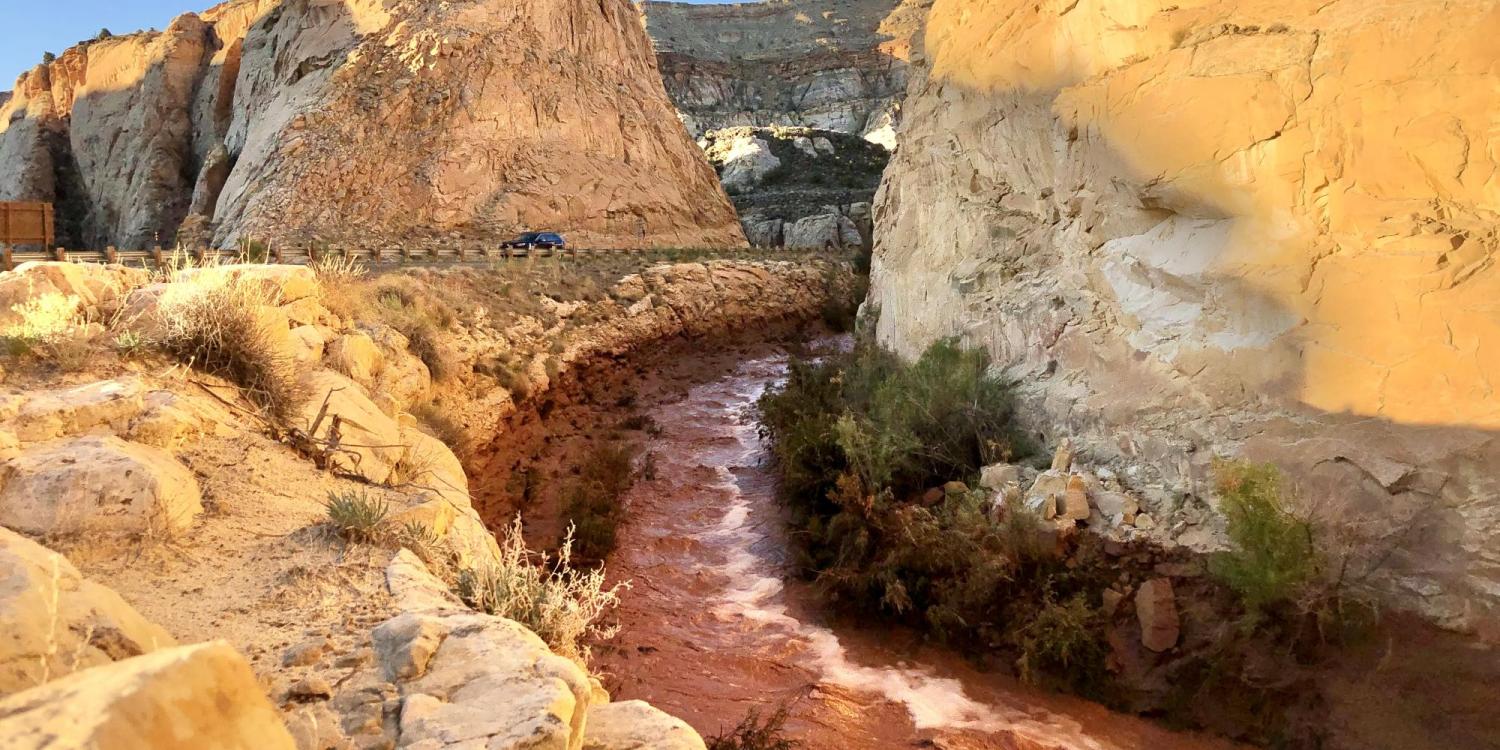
(306, 653)
(98, 485)
(316, 727)
(1062, 458)
(99, 289)
(829, 230)
(634, 725)
(744, 161)
(53, 621)
(186, 698)
(355, 355)
(1156, 609)
(106, 405)
(1075, 500)
(999, 476)
(310, 688)
(370, 442)
(310, 342)
(404, 645)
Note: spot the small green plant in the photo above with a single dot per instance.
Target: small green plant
(756, 732)
(129, 343)
(357, 516)
(555, 600)
(1273, 559)
(425, 542)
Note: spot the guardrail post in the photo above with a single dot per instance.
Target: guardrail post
(463, 255)
(432, 252)
(405, 254)
(8, 258)
(156, 256)
(375, 254)
(505, 251)
(111, 255)
(484, 249)
(312, 253)
(59, 254)
(198, 254)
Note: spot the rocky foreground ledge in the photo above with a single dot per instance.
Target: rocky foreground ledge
(170, 579)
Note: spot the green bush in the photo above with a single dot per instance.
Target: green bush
(592, 502)
(1273, 559)
(357, 516)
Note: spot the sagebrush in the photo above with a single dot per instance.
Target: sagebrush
(560, 603)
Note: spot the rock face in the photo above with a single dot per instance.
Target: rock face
(178, 699)
(833, 64)
(1177, 227)
(799, 187)
(279, 119)
(54, 621)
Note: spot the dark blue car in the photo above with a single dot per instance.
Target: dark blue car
(543, 240)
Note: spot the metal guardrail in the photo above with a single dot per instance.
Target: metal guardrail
(10, 258)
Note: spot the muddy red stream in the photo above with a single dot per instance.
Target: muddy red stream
(715, 624)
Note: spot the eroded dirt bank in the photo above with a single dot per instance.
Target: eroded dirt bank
(715, 623)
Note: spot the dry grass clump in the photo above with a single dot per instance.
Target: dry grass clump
(420, 316)
(52, 327)
(218, 324)
(561, 604)
(437, 423)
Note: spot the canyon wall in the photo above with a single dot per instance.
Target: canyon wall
(365, 121)
(1198, 228)
(832, 64)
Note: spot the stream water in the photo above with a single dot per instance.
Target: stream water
(715, 626)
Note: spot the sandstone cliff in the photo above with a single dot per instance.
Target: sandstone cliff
(365, 121)
(1213, 227)
(833, 64)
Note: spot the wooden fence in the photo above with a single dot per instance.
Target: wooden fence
(26, 223)
(458, 253)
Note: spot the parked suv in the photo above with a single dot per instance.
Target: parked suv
(543, 240)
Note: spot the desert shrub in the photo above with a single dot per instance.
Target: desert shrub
(51, 327)
(592, 502)
(557, 601)
(217, 323)
(357, 516)
(1272, 558)
(437, 423)
(253, 251)
(1291, 571)
(859, 438)
(421, 317)
(129, 343)
(756, 732)
(1061, 639)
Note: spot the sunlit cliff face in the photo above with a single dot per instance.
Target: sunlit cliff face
(1313, 182)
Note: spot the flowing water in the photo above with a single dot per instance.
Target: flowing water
(715, 626)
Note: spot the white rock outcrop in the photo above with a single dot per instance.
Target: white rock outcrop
(1176, 227)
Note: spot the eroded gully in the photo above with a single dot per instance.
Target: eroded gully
(715, 624)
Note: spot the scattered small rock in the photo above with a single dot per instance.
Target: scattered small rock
(306, 654)
(309, 689)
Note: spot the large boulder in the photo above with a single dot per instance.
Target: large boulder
(826, 230)
(187, 698)
(474, 680)
(98, 485)
(745, 160)
(53, 621)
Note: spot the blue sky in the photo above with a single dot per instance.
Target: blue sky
(30, 27)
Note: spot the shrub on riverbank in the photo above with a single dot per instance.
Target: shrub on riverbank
(592, 503)
(861, 440)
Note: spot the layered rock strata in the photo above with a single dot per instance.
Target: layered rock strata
(364, 121)
(832, 64)
(1263, 229)
(799, 187)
